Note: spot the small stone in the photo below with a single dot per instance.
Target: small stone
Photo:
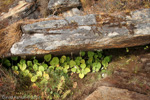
(72, 12)
(144, 59)
(148, 64)
(75, 85)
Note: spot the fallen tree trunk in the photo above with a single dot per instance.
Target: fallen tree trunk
(82, 33)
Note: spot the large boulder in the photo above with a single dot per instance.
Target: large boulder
(82, 33)
(112, 93)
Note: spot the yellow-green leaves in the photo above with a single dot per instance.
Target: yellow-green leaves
(82, 61)
(72, 63)
(82, 53)
(22, 66)
(53, 71)
(41, 68)
(43, 81)
(45, 66)
(78, 60)
(39, 73)
(96, 67)
(26, 72)
(62, 81)
(62, 59)
(6, 62)
(99, 53)
(54, 61)
(90, 54)
(35, 67)
(65, 69)
(34, 78)
(29, 63)
(35, 61)
(83, 66)
(81, 75)
(66, 93)
(83, 71)
(15, 68)
(48, 57)
(45, 75)
(74, 69)
(106, 60)
(87, 70)
(127, 50)
(15, 58)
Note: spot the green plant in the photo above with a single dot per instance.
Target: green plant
(106, 60)
(127, 50)
(15, 58)
(96, 66)
(48, 57)
(82, 53)
(146, 47)
(83, 70)
(52, 75)
(39, 73)
(54, 61)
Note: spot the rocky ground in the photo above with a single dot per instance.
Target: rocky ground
(127, 78)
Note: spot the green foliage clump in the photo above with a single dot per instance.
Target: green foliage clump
(52, 74)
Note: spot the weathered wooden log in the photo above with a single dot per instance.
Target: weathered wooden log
(82, 33)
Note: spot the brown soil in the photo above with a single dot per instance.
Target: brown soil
(110, 6)
(126, 71)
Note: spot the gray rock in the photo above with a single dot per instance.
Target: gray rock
(33, 15)
(142, 15)
(55, 24)
(42, 26)
(55, 4)
(53, 39)
(144, 59)
(112, 93)
(142, 28)
(76, 33)
(82, 20)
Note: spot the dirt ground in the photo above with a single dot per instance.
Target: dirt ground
(128, 70)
